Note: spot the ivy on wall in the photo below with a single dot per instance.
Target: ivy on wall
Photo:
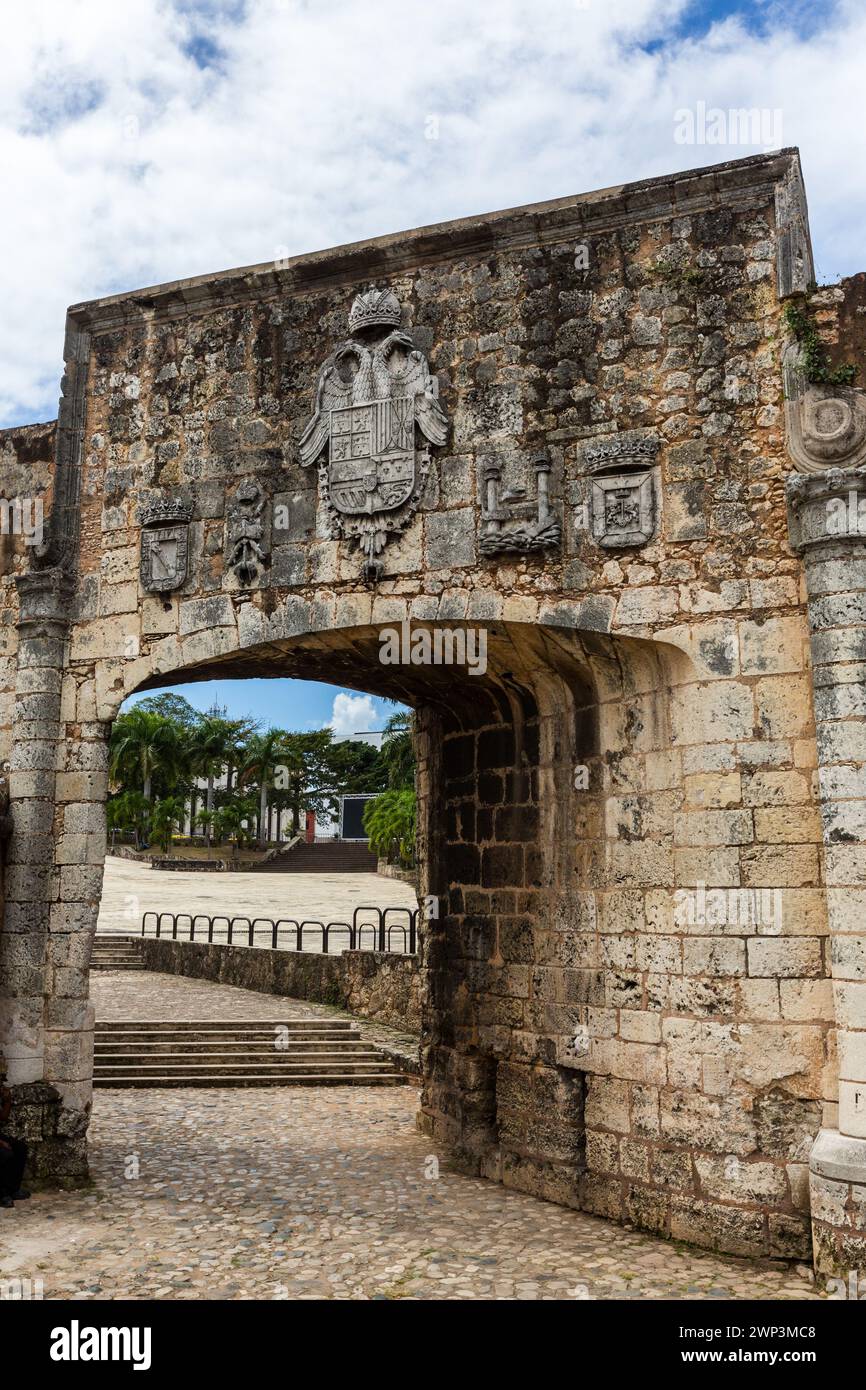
(813, 352)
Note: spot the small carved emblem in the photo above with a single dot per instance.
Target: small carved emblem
(624, 491)
(247, 555)
(373, 392)
(164, 544)
(511, 522)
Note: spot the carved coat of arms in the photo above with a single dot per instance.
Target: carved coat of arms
(374, 393)
(624, 490)
(164, 544)
(825, 425)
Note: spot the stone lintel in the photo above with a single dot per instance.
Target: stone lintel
(775, 176)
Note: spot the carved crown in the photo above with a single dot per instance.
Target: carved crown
(165, 511)
(375, 307)
(608, 453)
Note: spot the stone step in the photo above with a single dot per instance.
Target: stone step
(185, 1068)
(158, 1055)
(236, 1052)
(116, 953)
(260, 1047)
(206, 1025)
(322, 857)
(297, 1041)
(290, 1079)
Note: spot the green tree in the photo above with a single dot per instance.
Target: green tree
(170, 706)
(389, 821)
(266, 759)
(397, 753)
(211, 743)
(129, 811)
(205, 819)
(307, 781)
(145, 745)
(229, 821)
(167, 815)
(355, 766)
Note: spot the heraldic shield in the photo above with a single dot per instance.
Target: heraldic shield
(374, 394)
(372, 464)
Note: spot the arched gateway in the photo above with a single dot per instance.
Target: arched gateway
(557, 436)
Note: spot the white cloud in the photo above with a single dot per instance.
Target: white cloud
(163, 138)
(353, 714)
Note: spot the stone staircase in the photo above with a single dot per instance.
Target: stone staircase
(298, 1052)
(322, 857)
(116, 953)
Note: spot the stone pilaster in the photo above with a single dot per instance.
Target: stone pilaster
(828, 527)
(53, 1120)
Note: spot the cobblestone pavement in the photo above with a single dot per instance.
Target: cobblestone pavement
(331, 1193)
(138, 995)
(325, 1194)
(131, 889)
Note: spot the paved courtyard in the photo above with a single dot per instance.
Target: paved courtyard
(317, 1193)
(325, 1194)
(131, 888)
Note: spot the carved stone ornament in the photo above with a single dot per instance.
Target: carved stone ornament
(246, 533)
(624, 491)
(374, 394)
(164, 544)
(825, 425)
(508, 524)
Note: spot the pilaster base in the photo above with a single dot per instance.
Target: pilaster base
(837, 1189)
(56, 1138)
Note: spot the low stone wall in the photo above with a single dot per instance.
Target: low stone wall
(380, 985)
(218, 866)
(386, 870)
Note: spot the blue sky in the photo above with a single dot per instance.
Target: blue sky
(287, 704)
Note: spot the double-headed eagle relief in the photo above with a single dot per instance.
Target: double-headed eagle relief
(374, 394)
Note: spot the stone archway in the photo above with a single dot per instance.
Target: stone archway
(588, 463)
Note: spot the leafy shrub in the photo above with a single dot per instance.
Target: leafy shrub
(389, 821)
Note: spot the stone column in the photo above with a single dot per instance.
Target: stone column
(827, 513)
(53, 1123)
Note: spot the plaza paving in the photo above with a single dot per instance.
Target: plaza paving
(131, 888)
(331, 1193)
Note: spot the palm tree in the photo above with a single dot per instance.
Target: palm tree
(128, 811)
(389, 821)
(167, 815)
(210, 744)
(205, 819)
(398, 750)
(230, 820)
(264, 754)
(144, 744)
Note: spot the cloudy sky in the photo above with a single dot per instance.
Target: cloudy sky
(151, 139)
(288, 704)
